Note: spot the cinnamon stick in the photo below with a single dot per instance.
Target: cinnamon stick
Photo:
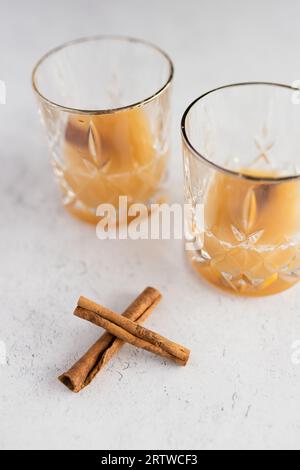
(85, 370)
(131, 332)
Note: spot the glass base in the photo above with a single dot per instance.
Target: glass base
(243, 286)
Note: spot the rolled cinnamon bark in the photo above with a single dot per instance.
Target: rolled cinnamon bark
(130, 332)
(84, 371)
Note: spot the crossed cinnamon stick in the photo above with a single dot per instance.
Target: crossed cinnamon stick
(120, 329)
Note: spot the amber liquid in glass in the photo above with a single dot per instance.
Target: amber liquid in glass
(108, 156)
(249, 245)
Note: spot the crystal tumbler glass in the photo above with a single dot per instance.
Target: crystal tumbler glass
(105, 103)
(241, 146)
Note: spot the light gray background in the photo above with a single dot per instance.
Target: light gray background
(240, 389)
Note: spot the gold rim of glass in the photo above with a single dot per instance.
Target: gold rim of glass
(100, 38)
(207, 161)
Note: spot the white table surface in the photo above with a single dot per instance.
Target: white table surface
(240, 389)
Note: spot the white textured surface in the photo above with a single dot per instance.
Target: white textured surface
(240, 389)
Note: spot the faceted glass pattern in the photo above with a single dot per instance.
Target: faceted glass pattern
(105, 104)
(241, 149)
